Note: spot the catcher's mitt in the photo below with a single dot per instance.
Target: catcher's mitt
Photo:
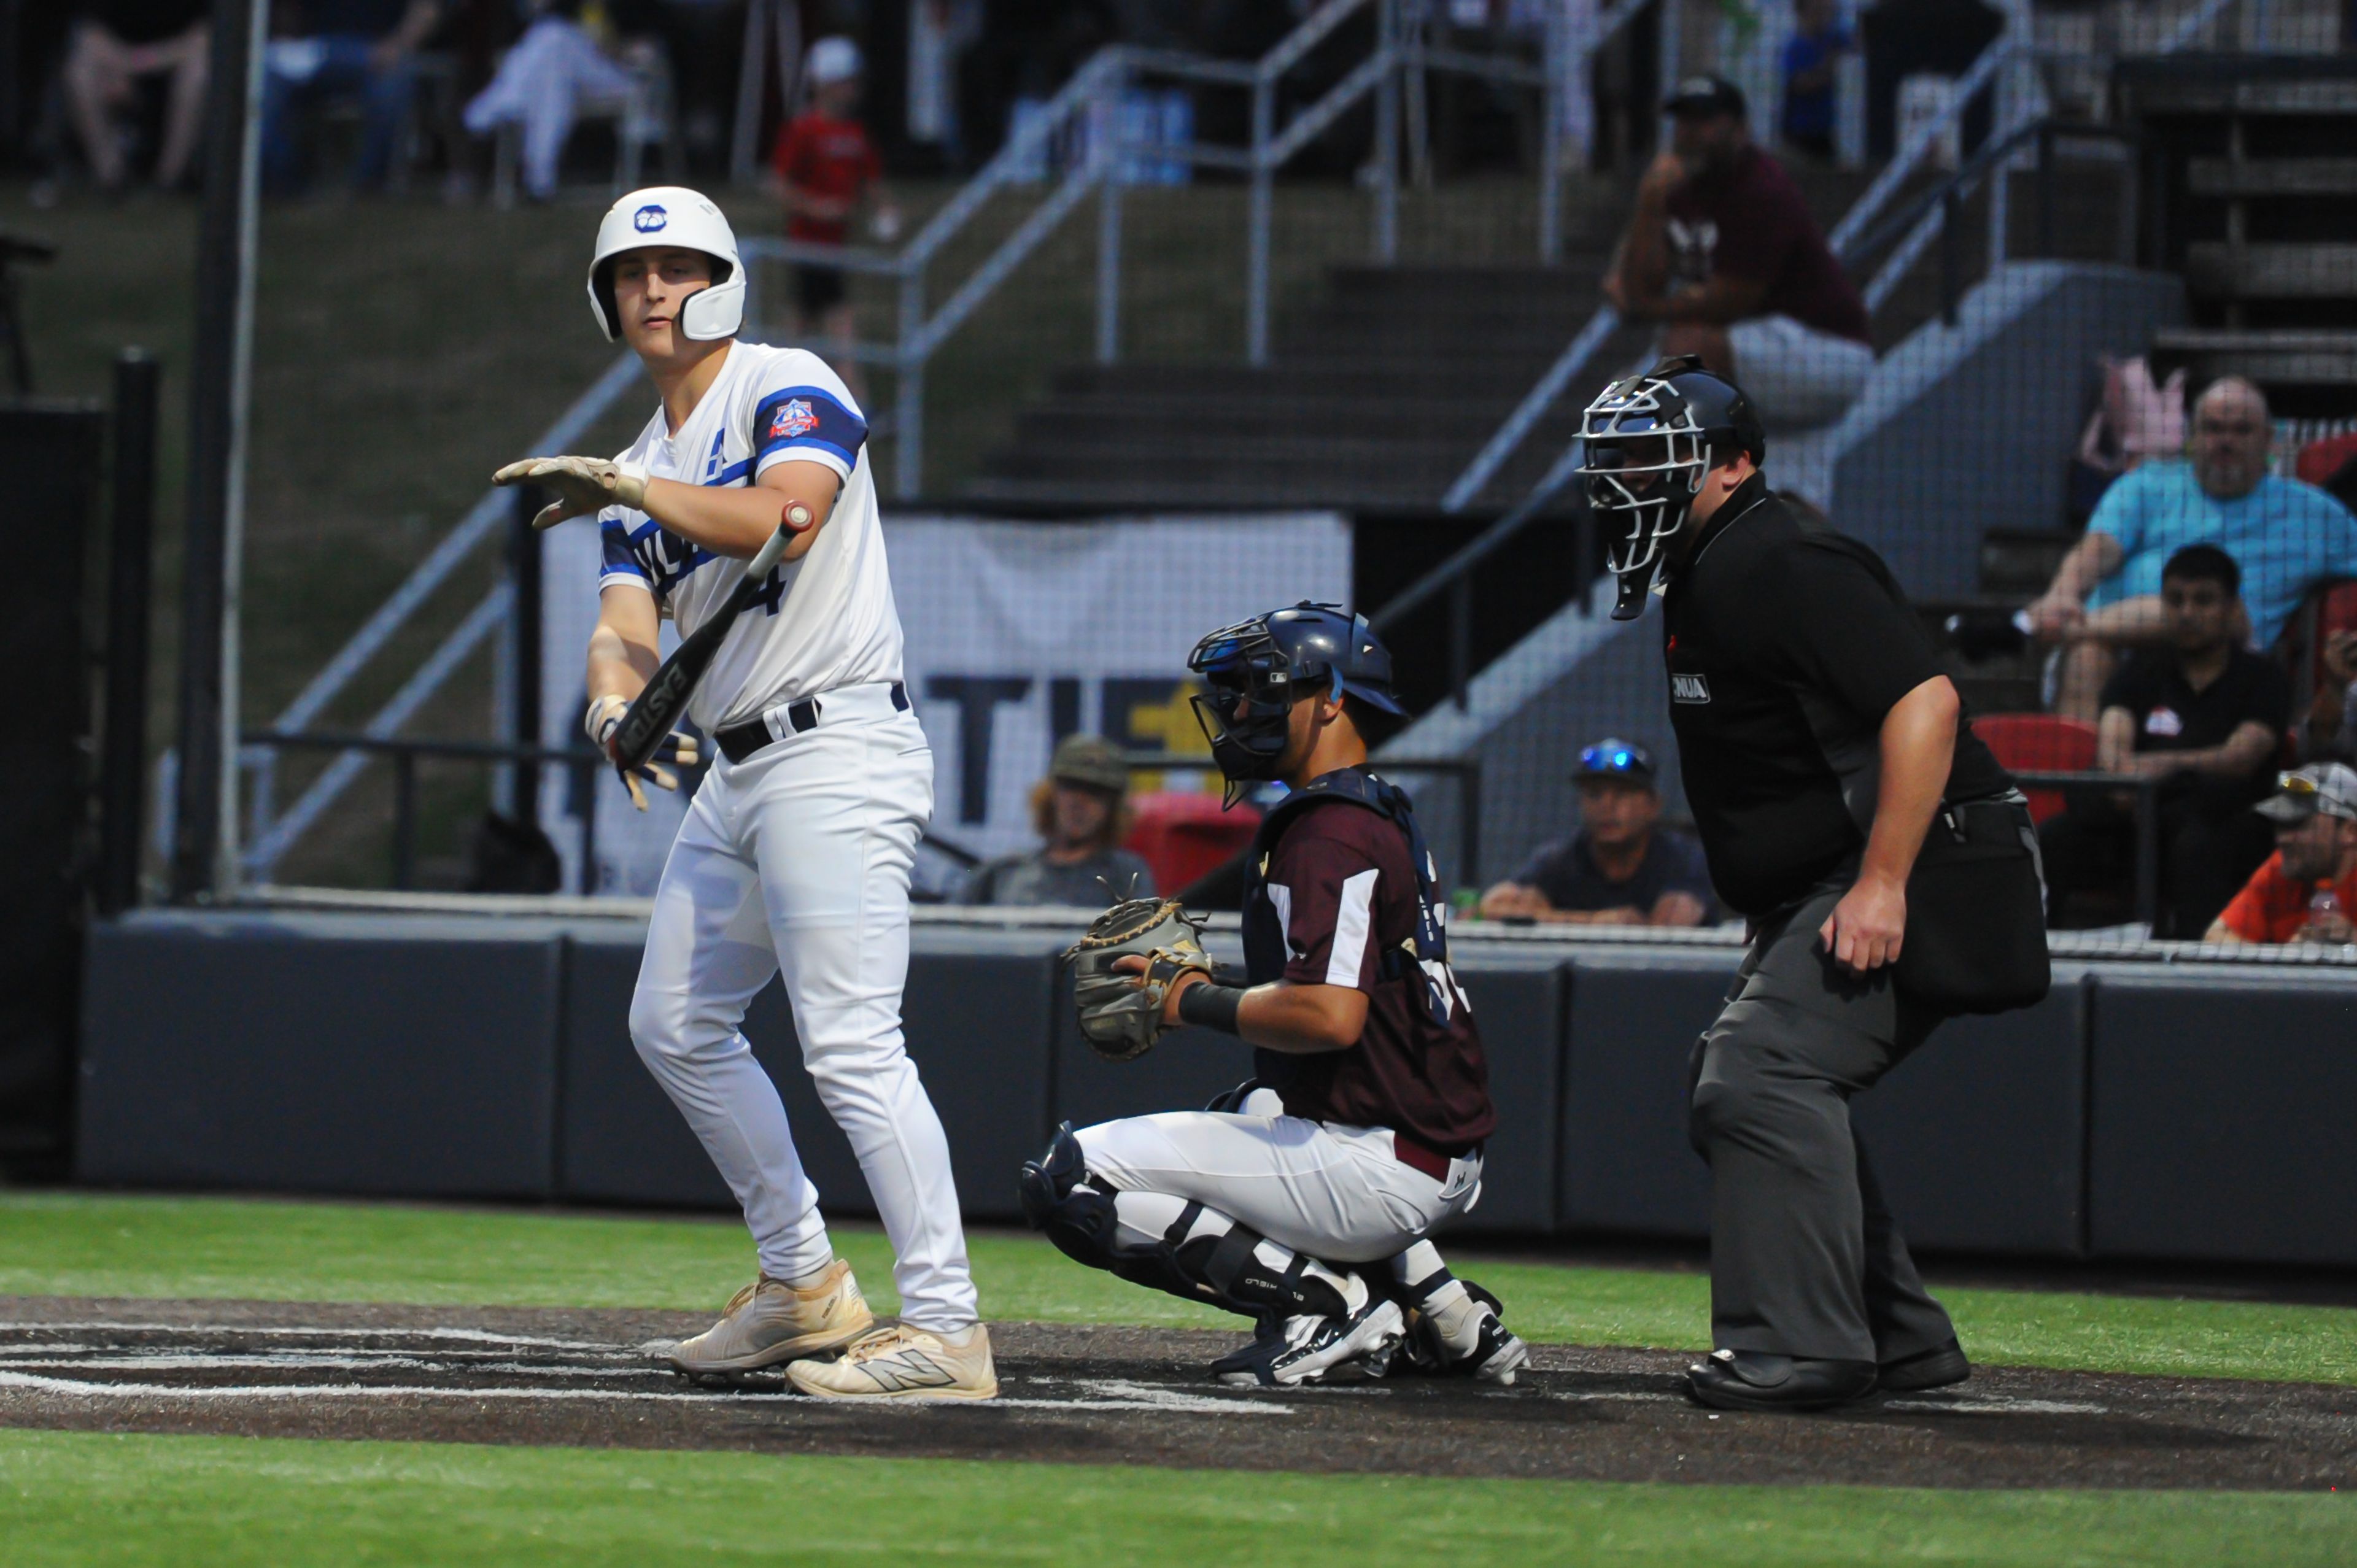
(1120, 1017)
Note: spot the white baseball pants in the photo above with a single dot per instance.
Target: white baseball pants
(797, 860)
(1338, 1194)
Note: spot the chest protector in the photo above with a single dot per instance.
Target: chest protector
(1265, 952)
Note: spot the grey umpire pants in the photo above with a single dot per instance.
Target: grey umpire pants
(1805, 1257)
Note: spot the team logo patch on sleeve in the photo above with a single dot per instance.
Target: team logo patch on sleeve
(1689, 688)
(794, 417)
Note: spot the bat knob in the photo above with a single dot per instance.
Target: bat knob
(798, 516)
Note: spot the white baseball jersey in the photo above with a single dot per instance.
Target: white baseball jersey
(825, 621)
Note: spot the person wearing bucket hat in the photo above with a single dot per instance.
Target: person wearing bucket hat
(1081, 811)
(1623, 868)
(2308, 887)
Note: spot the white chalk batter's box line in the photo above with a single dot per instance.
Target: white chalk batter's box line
(1101, 1394)
(31, 1367)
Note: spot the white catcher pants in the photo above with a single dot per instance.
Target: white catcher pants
(796, 861)
(1338, 1194)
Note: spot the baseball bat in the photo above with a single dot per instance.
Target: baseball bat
(656, 711)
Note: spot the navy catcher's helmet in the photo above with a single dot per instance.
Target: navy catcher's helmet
(1258, 668)
(1650, 440)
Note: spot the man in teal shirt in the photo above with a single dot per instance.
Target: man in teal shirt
(2286, 536)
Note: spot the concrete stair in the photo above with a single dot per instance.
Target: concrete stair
(2254, 158)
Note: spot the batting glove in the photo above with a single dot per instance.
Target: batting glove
(584, 486)
(605, 716)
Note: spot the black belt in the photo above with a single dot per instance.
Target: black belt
(738, 742)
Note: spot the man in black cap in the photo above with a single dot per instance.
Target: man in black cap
(1819, 744)
(1723, 252)
(1623, 868)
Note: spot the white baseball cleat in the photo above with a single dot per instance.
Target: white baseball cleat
(1295, 1350)
(1465, 1337)
(899, 1362)
(769, 1322)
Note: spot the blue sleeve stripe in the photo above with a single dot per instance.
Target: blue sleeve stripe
(828, 421)
(847, 458)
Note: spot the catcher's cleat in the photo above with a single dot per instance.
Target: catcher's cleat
(899, 1362)
(1465, 1338)
(769, 1322)
(1291, 1351)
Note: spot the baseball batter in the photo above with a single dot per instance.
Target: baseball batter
(1306, 1199)
(795, 853)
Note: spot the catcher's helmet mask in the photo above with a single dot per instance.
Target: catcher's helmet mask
(1648, 441)
(1256, 670)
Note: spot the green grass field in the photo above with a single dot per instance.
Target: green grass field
(86, 1498)
(76, 1245)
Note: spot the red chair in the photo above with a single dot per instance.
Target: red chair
(2040, 742)
(2320, 461)
(1183, 834)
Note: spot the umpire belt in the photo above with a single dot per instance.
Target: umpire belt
(878, 699)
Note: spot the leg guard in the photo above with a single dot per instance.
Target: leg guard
(1202, 1256)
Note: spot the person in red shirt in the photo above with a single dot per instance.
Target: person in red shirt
(2308, 887)
(825, 165)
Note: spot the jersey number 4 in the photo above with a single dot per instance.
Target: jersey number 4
(771, 593)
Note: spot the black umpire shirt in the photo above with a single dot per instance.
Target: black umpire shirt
(1786, 647)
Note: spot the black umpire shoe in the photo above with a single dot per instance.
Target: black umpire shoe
(1753, 1380)
(1935, 1368)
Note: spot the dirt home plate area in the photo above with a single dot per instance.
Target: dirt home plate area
(1122, 1396)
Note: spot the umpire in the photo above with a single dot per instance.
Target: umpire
(1819, 744)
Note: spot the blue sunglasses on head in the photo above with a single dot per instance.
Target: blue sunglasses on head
(1614, 758)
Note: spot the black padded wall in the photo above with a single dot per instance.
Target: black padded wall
(411, 1058)
(49, 458)
(2220, 1124)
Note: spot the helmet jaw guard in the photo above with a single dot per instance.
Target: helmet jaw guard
(1649, 442)
(673, 216)
(1257, 669)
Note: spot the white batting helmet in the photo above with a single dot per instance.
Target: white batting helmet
(832, 60)
(671, 215)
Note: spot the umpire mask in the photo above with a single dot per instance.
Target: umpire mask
(1255, 670)
(1648, 442)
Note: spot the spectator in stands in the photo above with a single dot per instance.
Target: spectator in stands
(1811, 58)
(2205, 715)
(354, 50)
(116, 45)
(540, 86)
(1723, 252)
(2332, 717)
(2308, 887)
(825, 167)
(2287, 537)
(1081, 811)
(1621, 868)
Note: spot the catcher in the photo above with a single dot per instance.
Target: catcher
(1305, 1197)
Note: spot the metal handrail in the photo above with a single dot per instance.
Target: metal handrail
(405, 750)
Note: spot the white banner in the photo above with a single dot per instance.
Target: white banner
(1018, 634)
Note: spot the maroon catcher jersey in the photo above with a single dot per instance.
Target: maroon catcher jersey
(1342, 887)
